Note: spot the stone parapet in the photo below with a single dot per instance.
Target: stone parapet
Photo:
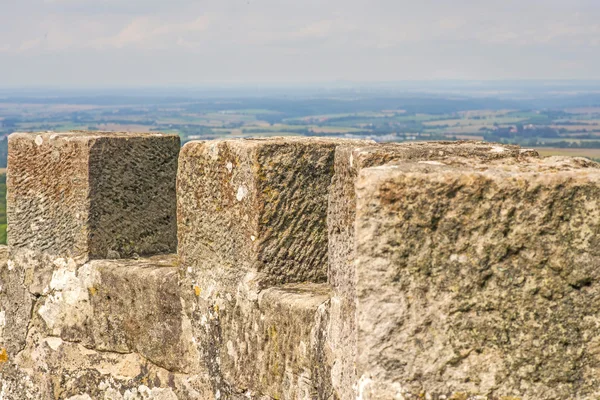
(296, 268)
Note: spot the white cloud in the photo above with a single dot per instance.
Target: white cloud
(319, 29)
(30, 44)
(151, 32)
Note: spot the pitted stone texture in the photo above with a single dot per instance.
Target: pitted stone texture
(84, 195)
(349, 161)
(47, 194)
(291, 358)
(15, 308)
(122, 306)
(51, 368)
(256, 205)
(479, 280)
(270, 342)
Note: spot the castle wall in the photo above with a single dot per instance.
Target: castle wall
(296, 268)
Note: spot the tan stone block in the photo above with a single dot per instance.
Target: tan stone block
(270, 343)
(123, 306)
(479, 279)
(256, 205)
(349, 161)
(85, 195)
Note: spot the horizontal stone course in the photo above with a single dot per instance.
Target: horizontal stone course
(123, 306)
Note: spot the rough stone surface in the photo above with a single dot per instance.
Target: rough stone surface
(122, 306)
(50, 368)
(253, 214)
(349, 161)
(82, 195)
(77, 196)
(296, 364)
(479, 280)
(270, 342)
(461, 271)
(256, 205)
(16, 304)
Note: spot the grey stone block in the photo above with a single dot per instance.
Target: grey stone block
(256, 205)
(83, 195)
(478, 279)
(349, 161)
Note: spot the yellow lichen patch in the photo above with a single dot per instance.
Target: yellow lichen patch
(216, 308)
(272, 332)
(93, 291)
(197, 290)
(3, 356)
(459, 396)
(28, 277)
(56, 384)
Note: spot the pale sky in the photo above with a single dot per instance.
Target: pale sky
(165, 42)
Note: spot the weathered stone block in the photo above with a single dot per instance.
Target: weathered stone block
(293, 325)
(77, 196)
(50, 368)
(349, 161)
(256, 205)
(479, 280)
(85, 195)
(270, 343)
(251, 214)
(122, 306)
(15, 308)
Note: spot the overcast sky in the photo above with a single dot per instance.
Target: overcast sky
(164, 42)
